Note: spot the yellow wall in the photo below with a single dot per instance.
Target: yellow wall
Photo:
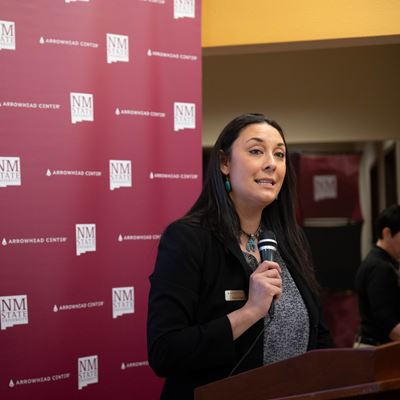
(318, 96)
(250, 22)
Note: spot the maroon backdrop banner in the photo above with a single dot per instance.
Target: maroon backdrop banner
(100, 148)
(328, 186)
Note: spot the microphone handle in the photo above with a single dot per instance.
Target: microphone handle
(267, 255)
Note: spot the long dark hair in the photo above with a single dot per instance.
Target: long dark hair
(215, 210)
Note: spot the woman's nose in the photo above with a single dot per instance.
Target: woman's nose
(270, 162)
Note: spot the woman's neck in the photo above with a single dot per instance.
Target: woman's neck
(249, 216)
(249, 221)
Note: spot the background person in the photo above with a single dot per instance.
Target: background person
(377, 283)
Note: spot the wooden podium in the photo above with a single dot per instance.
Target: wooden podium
(367, 373)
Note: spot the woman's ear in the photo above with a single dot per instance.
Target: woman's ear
(224, 163)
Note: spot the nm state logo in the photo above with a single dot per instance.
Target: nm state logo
(325, 187)
(123, 301)
(85, 238)
(120, 174)
(88, 371)
(184, 9)
(117, 48)
(184, 116)
(7, 35)
(10, 171)
(13, 311)
(81, 107)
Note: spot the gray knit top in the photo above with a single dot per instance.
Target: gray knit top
(286, 335)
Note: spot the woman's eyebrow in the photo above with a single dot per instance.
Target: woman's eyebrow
(260, 140)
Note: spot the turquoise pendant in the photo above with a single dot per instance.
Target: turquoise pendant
(251, 244)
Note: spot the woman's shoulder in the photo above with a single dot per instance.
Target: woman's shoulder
(187, 238)
(185, 227)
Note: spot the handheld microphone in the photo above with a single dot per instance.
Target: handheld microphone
(267, 246)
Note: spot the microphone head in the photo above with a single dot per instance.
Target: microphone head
(267, 245)
(267, 238)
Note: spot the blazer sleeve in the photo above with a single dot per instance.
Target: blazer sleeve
(177, 342)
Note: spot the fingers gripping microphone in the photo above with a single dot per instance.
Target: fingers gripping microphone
(267, 246)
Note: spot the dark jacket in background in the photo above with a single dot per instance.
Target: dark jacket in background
(378, 296)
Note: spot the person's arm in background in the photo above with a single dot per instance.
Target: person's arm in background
(381, 289)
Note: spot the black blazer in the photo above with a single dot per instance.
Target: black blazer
(189, 335)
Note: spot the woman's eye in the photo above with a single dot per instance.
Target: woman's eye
(280, 154)
(255, 151)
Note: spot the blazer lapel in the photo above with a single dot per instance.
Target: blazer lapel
(235, 250)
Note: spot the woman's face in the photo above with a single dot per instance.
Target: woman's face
(257, 166)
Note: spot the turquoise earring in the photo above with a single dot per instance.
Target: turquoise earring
(228, 186)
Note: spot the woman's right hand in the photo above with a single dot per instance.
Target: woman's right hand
(265, 285)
